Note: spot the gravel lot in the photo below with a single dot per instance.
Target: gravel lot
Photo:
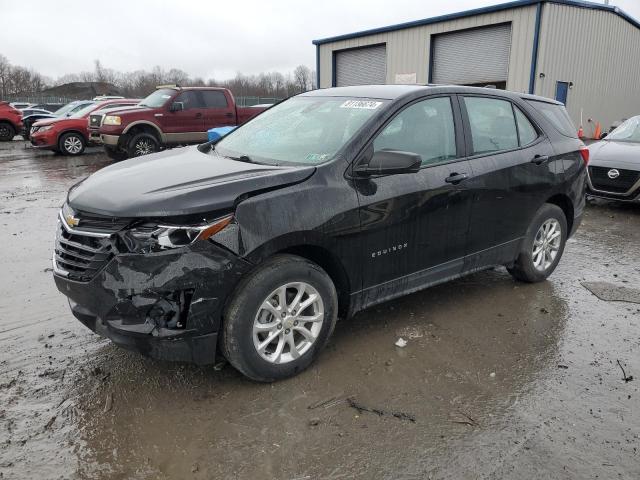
(498, 379)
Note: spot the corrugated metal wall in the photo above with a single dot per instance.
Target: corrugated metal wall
(408, 50)
(600, 53)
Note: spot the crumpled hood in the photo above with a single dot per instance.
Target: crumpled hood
(610, 153)
(177, 182)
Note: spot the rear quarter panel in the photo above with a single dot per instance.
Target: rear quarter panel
(567, 158)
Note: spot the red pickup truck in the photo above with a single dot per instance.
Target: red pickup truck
(168, 117)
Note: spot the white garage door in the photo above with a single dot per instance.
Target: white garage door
(473, 56)
(361, 66)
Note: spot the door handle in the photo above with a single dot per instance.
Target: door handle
(456, 178)
(540, 159)
(199, 115)
(228, 114)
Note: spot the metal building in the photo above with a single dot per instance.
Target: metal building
(584, 54)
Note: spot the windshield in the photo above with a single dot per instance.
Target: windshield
(628, 131)
(301, 131)
(158, 98)
(83, 111)
(66, 109)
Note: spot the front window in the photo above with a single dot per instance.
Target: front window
(300, 131)
(425, 128)
(628, 131)
(158, 98)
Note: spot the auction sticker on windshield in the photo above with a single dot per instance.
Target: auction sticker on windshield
(368, 105)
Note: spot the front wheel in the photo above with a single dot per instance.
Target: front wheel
(7, 132)
(143, 144)
(71, 144)
(542, 246)
(279, 319)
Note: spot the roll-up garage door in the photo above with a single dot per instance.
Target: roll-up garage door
(476, 56)
(361, 66)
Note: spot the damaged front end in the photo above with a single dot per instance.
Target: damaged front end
(156, 287)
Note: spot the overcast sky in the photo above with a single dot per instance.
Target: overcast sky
(211, 39)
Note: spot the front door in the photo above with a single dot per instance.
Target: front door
(186, 125)
(414, 225)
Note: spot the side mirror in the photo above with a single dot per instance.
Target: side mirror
(176, 107)
(387, 162)
(604, 134)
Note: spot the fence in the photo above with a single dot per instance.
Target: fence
(38, 99)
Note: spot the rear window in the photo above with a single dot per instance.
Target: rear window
(558, 117)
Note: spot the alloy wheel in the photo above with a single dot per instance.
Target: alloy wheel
(546, 244)
(72, 145)
(144, 147)
(288, 322)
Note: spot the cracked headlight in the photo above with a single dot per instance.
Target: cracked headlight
(152, 237)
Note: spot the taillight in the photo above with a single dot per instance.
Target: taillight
(584, 153)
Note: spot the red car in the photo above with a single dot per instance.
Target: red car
(10, 121)
(70, 135)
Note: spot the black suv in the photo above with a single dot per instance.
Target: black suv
(330, 202)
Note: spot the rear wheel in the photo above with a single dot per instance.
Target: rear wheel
(143, 144)
(71, 144)
(7, 132)
(542, 246)
(279, 319)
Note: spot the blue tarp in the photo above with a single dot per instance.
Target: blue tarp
(219, 132)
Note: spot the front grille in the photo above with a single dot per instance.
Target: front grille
(95, 121)
(100, 223)
(601, 181)
(81, 256)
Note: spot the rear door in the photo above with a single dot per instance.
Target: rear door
(218, 111)
(514, 173)
(414, 226)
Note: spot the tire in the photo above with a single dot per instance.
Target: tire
(7, 132)
(240, 340)
(115, 154)
(547, 222)
(142, 144)
(72, 144)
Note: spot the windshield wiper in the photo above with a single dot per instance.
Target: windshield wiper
(243, 158)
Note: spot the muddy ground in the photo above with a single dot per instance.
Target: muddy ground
(499, 379)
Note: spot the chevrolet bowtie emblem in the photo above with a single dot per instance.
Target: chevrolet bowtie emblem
(72, 221)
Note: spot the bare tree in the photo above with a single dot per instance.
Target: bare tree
(5, 69)
(302, 77)
(139, 83)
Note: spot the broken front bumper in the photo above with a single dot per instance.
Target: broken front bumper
(167, 305)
